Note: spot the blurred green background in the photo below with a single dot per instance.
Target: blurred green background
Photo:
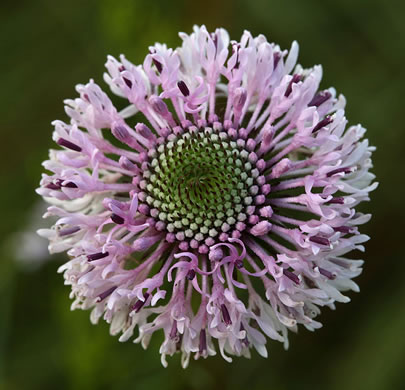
(48, 46)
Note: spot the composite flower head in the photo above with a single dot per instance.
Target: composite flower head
(218, 206)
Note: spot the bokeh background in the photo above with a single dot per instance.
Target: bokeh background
(48, 46)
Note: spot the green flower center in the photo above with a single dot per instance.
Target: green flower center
(199, 184)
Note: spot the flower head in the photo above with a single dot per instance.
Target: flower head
(218, 206)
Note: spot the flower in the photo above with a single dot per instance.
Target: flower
(218, 206)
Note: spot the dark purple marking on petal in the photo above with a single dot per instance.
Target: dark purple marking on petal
(203, 341)
(53, 186)
(70, 145)
(117, 219)
(324, 122)
(327, 273)
(339, 170)
(70, 184)
(295, 79)
(139, 304)
(121, 68)
(97, 256)
(343, 229)
(105, 294)
(158, 65)
(291, 275)
(276, 59)
(68, 231)
(127, 82)
(191, 274)
(225, 315)
(336, 200)
(320, 240)
(183, 88)
(320, 98)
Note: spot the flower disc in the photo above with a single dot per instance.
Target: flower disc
(198, 184)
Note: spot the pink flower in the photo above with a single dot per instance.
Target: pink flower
(228, 171)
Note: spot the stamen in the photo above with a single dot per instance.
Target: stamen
(97, 256)
(324, 122)
(295, 79)
(158, 65)
(343, 229)
(117, 219)
(225, 315)
(139, 304)
(127, 82)
(320, 240)
(292, 276)
(326, 273)
(339, 170)
(336, 200)
(70, 145)
(183, 88)
(320, 98)
(203, 342)
(105, 294)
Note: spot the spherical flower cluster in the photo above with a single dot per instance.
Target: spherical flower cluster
(218, 206)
